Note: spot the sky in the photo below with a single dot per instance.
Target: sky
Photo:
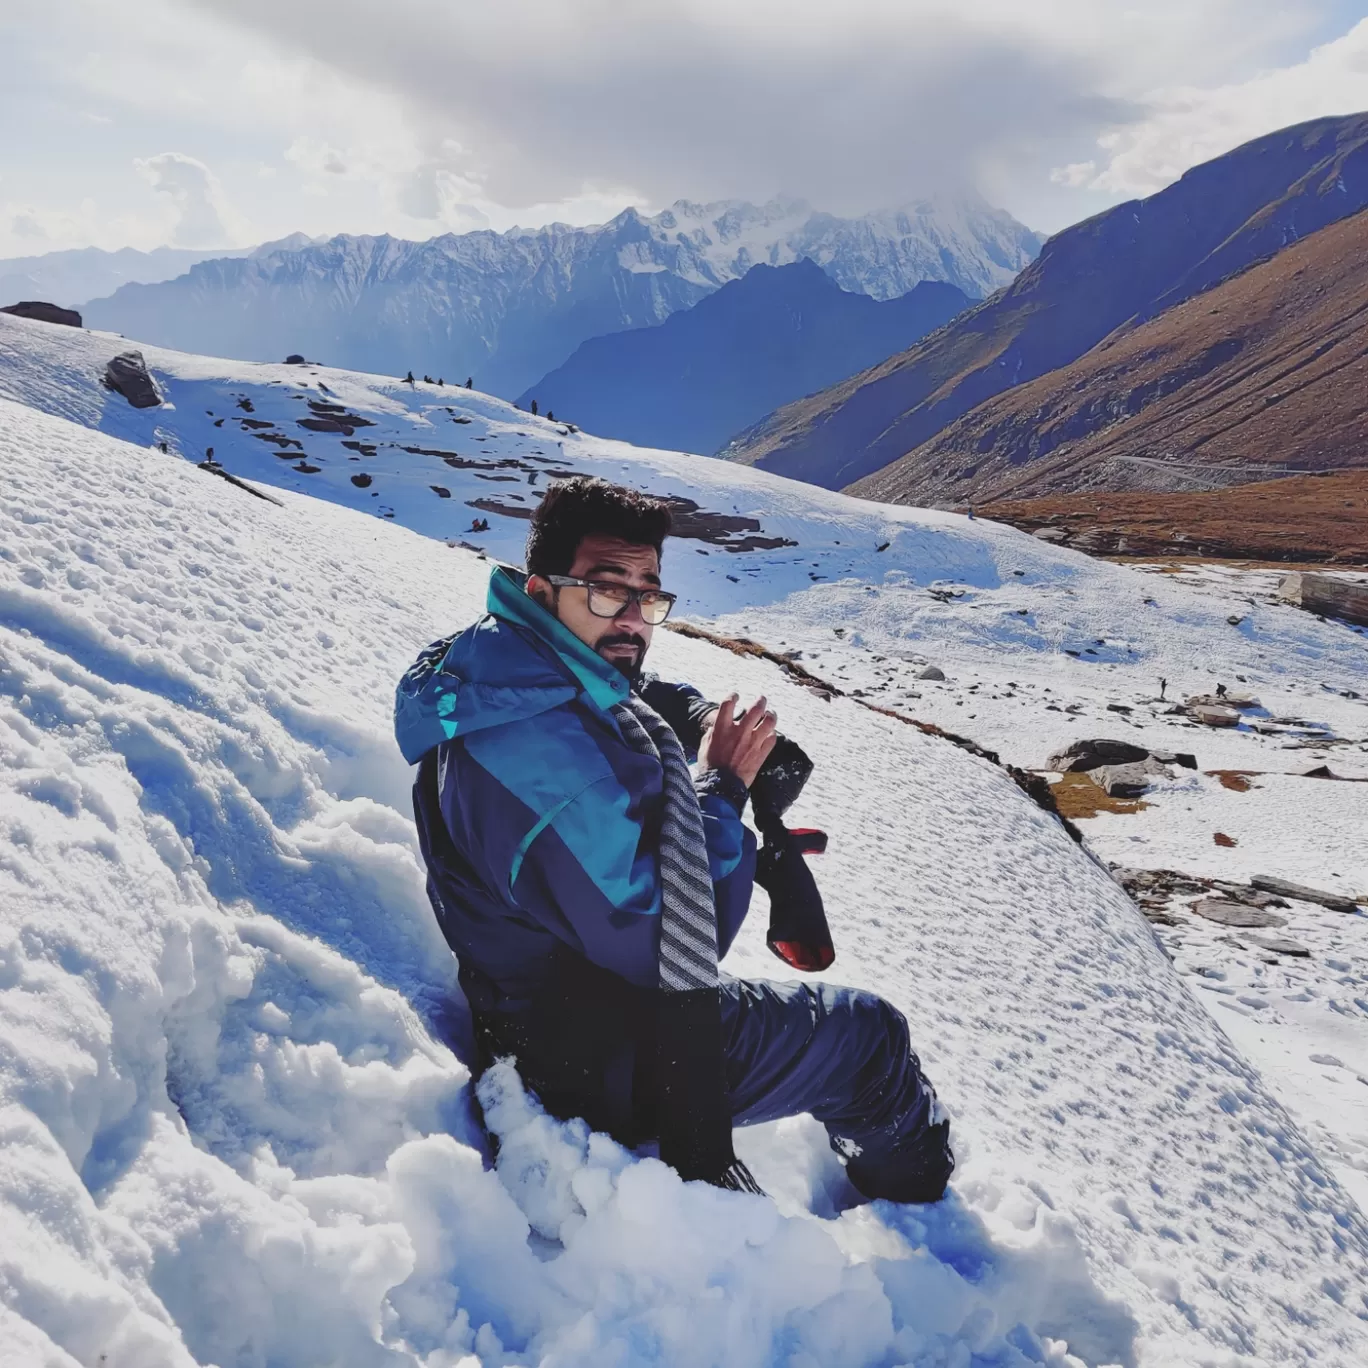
(224, 123)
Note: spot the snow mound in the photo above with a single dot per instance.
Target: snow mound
(235, 1125)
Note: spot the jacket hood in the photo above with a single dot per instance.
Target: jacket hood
(514, 663)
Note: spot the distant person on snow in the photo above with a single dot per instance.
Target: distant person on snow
(589, 883)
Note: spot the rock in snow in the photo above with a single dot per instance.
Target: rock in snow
(235, 1132)
(43, 312)
(1285, 888)
(127, 375)
(1328, 594)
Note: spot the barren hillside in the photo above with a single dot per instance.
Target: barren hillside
(1266, 370)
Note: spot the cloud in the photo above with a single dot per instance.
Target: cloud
(854, 106)
(1188, 125)
(421, 116)
(26, 224)
(192, 189)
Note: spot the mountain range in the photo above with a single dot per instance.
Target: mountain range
(507, 308)
(71, 278)
(1268, 369)
(774, 334)
(1092, 285)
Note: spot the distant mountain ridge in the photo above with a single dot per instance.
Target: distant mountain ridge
(1267, 370)
(70, 278)
(1126, 265)
(509, 307)
(778, 332)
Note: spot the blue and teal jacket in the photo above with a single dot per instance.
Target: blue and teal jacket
(538, 823)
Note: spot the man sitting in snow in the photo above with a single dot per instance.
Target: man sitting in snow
(589, 883)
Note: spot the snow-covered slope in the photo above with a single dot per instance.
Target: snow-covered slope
(235, 1133)
(509, 307)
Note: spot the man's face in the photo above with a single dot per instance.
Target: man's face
(622, 641)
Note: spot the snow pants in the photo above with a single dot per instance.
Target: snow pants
(844, 1056)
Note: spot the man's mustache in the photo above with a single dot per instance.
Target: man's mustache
(621, 639)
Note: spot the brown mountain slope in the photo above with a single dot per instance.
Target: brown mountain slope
(1268, 369)
(1313, 519)
(1122, 265)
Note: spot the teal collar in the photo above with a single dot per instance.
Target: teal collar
(510, 601)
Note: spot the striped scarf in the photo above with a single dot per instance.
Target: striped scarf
(693, 1106)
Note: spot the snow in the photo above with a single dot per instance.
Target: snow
(236, 1125)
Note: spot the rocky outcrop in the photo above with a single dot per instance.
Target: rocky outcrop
(44, 312)
(1327, 595)
(1093, 754)
(1285, 888)
(127, 374)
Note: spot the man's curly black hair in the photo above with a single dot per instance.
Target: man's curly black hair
(584, 506)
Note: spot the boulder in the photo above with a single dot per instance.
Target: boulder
(1235, 914)
(932, 672)
(1285, 888)
(1128, 781)
(1280, 945)
(1214, 715)
(295, 359)
(1328, 595)
(1051, 534)
(1088, 755)
(1225, 700)
(127, 374)
(44, 312)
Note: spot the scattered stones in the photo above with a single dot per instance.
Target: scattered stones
(43, 312)
(932, 672)
(1235, 914)
(127, 374)
(1336, 902)
(1280, 945)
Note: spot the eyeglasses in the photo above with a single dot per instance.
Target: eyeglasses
(607, 600)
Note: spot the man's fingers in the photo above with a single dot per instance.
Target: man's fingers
(754, 713)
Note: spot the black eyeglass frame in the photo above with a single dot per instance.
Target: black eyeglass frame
(634, 596)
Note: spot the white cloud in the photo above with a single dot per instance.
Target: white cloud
(201, 212)
(1189, 125)
(421, 116)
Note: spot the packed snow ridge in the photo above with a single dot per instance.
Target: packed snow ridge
(237, 1127)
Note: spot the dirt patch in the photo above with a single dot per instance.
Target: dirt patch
(1077, 797)
(1311, 519)
(1237, 781)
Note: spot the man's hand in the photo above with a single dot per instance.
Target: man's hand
(738, 744)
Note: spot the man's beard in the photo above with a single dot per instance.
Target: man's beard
(632, 669)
